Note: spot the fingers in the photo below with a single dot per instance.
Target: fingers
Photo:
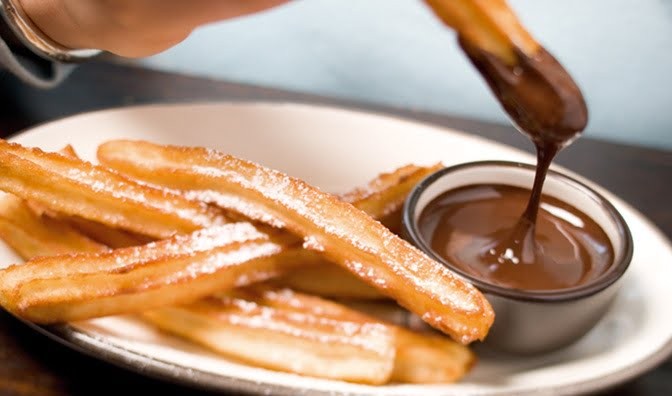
(132, 28)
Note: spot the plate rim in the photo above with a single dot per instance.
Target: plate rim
(90, 345)
(95, 347)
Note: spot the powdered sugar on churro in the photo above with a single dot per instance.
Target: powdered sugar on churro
(343, 233)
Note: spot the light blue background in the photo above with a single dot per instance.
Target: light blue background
(395, 52)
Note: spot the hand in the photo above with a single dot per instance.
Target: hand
(131, 28)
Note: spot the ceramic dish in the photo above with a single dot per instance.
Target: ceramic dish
(337, 149)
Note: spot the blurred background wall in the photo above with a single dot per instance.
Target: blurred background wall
(395, 52)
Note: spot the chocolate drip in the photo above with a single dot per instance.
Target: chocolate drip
(546, 105)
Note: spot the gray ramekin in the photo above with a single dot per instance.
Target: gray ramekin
(530, 322)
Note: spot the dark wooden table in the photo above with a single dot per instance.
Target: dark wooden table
(33, 365)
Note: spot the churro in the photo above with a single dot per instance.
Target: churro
(336, 229)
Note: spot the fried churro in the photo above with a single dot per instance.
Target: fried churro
(75, 187)
(173, 271)
(489, 25)
(383, 197)
(31, 235)
(284, 339)
(306, 335)
(336, 229)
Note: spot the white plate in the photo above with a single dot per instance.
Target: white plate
(337, 149)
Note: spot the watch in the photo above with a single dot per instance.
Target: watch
(26, 34)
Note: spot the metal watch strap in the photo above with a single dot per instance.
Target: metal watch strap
(35, 40)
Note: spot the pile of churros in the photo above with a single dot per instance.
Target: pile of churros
(238, 258)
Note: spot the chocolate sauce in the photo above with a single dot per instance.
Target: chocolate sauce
(541, 98)
(546, 105)
(467, 225)
(539, 95)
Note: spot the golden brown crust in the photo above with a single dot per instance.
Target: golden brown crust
(74, 187)
(246, 323)
(424, 358)
(383, 197)
(31, 235)
(101, 233)
(313, 336)
(420, 358)
(173, 271)
(328, 280)
(338, 230)
(69, 151)
(283, 339)
(490, 25)
(379, 185)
